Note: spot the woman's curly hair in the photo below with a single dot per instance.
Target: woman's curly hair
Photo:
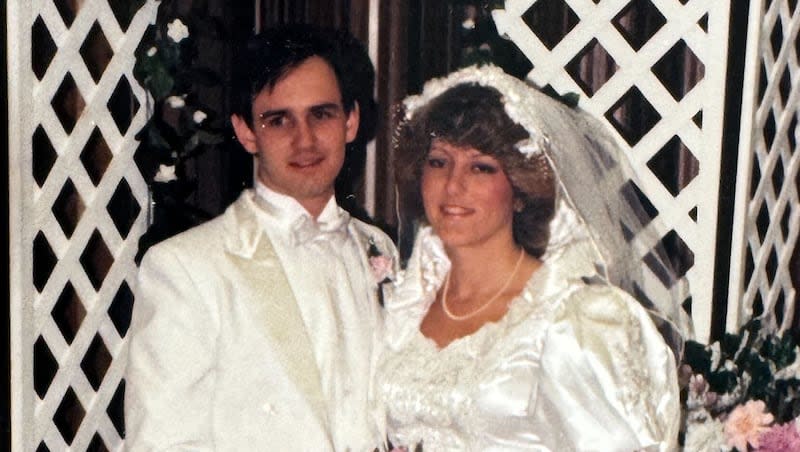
(470, 115)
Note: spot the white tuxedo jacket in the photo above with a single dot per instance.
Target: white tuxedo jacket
(219, 356)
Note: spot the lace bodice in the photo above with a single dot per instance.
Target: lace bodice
(575, 364)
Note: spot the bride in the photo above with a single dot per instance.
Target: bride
(512, 326)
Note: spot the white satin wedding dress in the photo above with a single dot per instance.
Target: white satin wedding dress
(573, 365)
(576, 364)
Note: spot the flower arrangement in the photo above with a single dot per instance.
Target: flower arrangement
(742, 392)
(180, 126)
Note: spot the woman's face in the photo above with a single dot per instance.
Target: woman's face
(467, 196)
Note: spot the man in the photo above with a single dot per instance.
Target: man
(259, 329)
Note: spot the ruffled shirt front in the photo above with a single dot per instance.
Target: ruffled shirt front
(575, 364)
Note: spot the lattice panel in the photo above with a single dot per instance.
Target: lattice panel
(625, 59)
(768, 211)
(83, 207)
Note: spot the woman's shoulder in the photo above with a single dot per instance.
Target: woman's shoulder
(603, 312)
(597, 302)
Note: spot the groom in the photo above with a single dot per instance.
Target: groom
(258, 329)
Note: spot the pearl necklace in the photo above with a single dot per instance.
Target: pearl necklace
(452, 316)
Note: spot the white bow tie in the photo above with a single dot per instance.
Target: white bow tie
(306, 230)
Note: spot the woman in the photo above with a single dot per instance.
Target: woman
(509, 329)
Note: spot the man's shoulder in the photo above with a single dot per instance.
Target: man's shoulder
(206, 233)
(206, 236)
(371, 231)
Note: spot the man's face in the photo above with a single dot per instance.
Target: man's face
(299, 133)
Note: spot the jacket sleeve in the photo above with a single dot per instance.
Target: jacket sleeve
(170, 373)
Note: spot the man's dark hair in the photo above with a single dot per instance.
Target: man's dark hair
(267, 57)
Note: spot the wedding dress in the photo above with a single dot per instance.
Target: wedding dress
(573, 365)
(577, 363)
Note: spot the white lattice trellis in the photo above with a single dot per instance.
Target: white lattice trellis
(79, 209)
(697, 28)
(767, 216)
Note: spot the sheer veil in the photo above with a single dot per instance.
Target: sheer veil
(596, 201)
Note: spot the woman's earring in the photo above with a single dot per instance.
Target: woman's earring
(519, 205)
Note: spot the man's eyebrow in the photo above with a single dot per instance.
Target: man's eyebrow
(283, 111)
(268, 113)
(327, 106)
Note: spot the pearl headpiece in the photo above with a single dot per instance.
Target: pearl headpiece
(516, 97)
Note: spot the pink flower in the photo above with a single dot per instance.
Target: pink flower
(780, 438)
(746, 423)
(698, 385)
(381, 267)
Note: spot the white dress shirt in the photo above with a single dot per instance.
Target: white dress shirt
(331, 285)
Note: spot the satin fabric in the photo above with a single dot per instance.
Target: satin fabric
(324, 267)
(220, 356)
(575, 364)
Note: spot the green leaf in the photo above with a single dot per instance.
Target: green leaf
(785, 353)
(761, 375)
(192, 143)
(729, 344)
(723, 381)
(569, 99)
(697, 357)
(151, 135)
(159, 83)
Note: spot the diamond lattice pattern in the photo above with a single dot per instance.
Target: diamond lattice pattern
(89, 201)
(654, 72)
(772, 216)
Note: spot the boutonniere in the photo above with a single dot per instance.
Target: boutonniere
(381, 267)
(379, 264)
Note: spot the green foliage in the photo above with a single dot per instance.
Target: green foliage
(180, 126)
(481, 44)
(747, 366)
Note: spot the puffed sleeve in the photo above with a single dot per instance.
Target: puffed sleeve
(609, 382)
(170, 371)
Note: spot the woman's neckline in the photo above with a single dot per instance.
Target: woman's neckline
(536, 279)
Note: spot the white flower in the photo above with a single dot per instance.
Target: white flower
(705, 437)
(151, 51)
(165, 173)
(532, 146)
(176, 101)
(177, 31)
(199, 116)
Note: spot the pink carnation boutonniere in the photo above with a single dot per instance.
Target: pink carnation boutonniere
(381, 267)
(379, 264)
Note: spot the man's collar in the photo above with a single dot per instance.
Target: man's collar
(288, 211)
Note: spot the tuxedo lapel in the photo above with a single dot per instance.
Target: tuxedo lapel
(267, 293)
